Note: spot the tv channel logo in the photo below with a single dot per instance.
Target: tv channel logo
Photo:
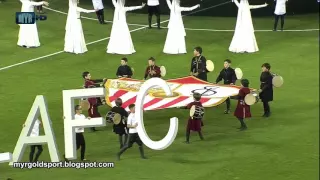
(28, 17)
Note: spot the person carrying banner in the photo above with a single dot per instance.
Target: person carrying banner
(93, 82)
(194, 123)
(198, 65)
(229, 77)
(93, 111)
(243, 110)
(152, 70)
(124, 70)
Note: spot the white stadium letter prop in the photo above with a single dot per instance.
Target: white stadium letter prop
(173, 129)
(5, 157)
(39, 107)
(70, 124)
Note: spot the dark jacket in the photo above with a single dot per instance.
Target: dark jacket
(266, 86)
(228, 75)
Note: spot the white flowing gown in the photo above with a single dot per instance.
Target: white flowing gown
(74, 41)
(120, 38)
(244, 39)
(175, 42)
(28, 33)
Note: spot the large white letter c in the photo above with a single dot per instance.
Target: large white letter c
(173, 129)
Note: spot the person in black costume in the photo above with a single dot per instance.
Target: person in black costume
(266, 88)
(124, 70)
(199, 65)
(121, 128)
(229, 77)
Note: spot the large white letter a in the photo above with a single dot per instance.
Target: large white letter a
(39, 107)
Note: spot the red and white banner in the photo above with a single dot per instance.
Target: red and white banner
(182, 88)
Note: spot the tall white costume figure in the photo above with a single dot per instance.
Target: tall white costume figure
(74, 39)
(175, 42)
(120, 39)
(28, 33)
(244, 39)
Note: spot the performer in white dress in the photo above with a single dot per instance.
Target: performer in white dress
(120, 39)
(175, 42)
(279, 12)
(244, 39)
(28, 33)
(74, 39)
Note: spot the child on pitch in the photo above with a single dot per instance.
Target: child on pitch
(80, 141)
(124, 70)
(133, 134)
(35, 132)
(266, 88)
(121, 128)
(194, 124)
(243, 110)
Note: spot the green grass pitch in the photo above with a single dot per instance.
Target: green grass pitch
(282, 147)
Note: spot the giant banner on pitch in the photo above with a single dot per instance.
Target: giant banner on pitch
(182, 88)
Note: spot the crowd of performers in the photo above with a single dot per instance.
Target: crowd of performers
(126, 128)
(175, 44)
(120, 41)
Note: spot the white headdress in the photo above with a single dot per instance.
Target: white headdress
(175, 4)
(121, 3)
(244, 2)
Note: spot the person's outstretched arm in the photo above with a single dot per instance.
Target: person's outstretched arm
(258, 6)
(236, 2)
(79, 9)
(189, 8)
(38, 3)
(132, 8)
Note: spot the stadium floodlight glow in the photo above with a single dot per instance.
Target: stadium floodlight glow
(173, 128)
(70, 124)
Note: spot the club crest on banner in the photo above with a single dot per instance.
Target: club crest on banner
(182, 91)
